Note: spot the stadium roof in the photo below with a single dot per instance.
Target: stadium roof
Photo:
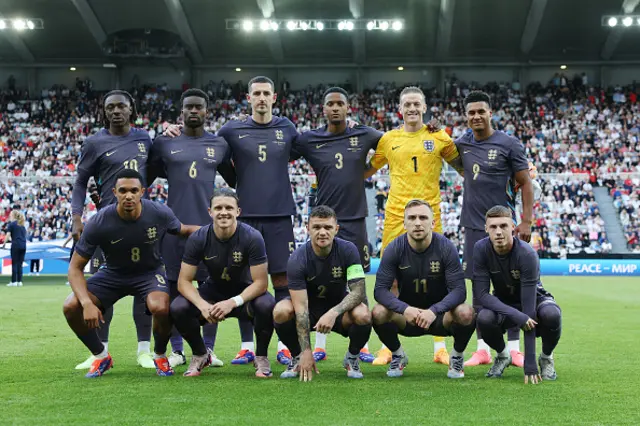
(436, 31)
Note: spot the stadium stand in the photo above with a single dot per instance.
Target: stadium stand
(578, 136)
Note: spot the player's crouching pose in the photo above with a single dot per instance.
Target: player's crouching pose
(318, 274)
(518, 300)
(129, 234)
(235, 257)
(431, 291)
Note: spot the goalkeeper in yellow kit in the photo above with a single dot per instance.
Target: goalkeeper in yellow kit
(414, 155)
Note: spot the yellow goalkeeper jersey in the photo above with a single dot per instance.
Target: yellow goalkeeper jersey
(415, 164)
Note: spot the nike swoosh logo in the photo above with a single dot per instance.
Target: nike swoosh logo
(405, 267)
(109, 154)
(117, 241)
(495, 272)
(242, 136)
(312, 278)
(320, 145)
(466, 152)
(209, 258)
(393, 148)
(175, 152)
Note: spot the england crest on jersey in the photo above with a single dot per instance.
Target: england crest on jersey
(429, 145)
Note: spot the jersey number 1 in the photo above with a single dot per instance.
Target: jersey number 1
(415, 164)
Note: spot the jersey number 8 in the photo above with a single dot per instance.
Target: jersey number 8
(135, 254)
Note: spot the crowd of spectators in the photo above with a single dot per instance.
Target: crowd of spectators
(567, 126)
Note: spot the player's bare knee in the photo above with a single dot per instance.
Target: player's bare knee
(71, 306)
(283, 311)
(380, 314)
(361, 315)
(464, 314)
(158, 308)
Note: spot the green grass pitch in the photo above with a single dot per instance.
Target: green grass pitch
(598, 381)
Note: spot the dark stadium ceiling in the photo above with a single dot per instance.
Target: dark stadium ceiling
(436, 31)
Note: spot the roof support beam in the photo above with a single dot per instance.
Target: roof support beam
(356, 7)
(273, 38)
(615, 34)
(534, 18)
(17, 43)
(91, 21)
(184, 29)
(445, 27)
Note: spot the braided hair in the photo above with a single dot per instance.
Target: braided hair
(134, 111)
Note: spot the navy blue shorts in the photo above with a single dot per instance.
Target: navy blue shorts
(209, 293)
(435, 329)
(109, 287)
(471, 237)
(278, 239)
(355, 231)
(317, 311)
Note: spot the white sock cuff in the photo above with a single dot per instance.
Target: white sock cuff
(144, 347)
(247, 345)
(482, 346)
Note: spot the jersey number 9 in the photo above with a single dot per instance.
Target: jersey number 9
(476, 170)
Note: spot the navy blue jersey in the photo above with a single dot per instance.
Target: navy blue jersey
(339, 163)
(261, 154)
(18, 235)
(228, 262)
(515, 277)
(489, 175)
(432, 279)
(325, 279)
(129, 247)
(516, 282)
(190, 165)
(103, 156)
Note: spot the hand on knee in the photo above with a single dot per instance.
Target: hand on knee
(283, 312)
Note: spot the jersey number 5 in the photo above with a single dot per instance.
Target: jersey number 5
(262, 153)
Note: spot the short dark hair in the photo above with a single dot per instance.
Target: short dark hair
(412, 89)
(194, 92)
(134, 111)
(331, 90)
(261, 79)
(323, 212)
(417, 202)
(498, 211)
(477, 96)
(224, 192)
(129, 174)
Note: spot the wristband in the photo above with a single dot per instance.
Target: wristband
(238, 300)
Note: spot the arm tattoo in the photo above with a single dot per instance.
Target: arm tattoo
(354, 298)
(302, 328)
(456, 163)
